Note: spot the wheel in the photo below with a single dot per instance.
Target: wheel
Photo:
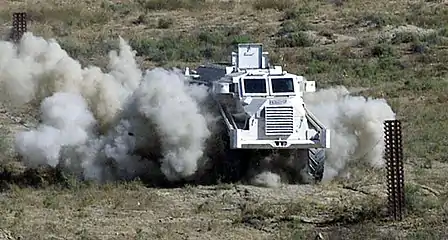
(227, 165)
(316, 164)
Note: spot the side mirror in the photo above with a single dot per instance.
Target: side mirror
(310, 86)
(247, 101)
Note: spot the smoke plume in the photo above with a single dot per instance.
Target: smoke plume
(103, 126)
(128, 123)
(356, 125)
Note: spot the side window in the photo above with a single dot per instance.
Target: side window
(232, 87)
(255, 85)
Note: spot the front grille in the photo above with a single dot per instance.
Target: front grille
(279, 120)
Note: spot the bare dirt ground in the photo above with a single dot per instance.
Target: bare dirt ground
(392, 49)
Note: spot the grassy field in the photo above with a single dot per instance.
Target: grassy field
(392, 49)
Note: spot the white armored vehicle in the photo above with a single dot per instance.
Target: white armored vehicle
(263, 108)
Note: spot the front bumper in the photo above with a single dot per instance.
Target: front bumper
(238, 142)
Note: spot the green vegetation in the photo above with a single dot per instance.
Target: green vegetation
(392, 49)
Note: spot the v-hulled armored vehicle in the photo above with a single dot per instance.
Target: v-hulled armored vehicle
(262, 106)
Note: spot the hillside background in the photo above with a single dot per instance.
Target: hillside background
(397, 50)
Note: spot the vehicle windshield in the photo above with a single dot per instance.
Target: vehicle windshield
(282, 85)
(255, 85)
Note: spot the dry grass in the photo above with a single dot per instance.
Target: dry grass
(394, 49)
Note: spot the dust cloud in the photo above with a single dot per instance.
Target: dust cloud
(127, 123)
(356, 125)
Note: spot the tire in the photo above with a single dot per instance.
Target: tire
(316, 164)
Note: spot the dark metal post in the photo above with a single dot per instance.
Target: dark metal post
(19, 26)
(395, 172)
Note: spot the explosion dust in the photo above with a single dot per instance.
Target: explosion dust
(128, 123)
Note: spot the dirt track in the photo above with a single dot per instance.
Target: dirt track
(222, 212)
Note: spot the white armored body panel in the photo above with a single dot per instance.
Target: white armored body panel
(263, 107)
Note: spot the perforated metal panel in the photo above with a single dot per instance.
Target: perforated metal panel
(395, 172)
(19, 25)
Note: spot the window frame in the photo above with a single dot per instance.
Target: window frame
(294, 86)
(243, 86)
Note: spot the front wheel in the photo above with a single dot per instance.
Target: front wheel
(314, 170)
